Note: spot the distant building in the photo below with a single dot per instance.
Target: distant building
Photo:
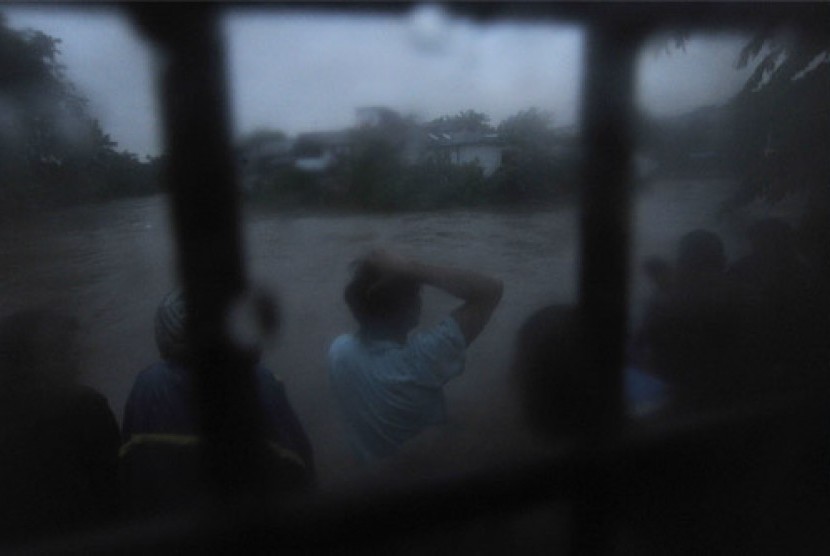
(467, 147)
(258, 158)
(270, 151)
(317, 151)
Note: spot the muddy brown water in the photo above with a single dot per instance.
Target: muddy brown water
(110, 265)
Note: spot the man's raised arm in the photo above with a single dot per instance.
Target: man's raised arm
(481, 294)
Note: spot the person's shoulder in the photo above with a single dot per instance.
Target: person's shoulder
(85, 409)
(159, 369)
(266, 376)
(89, 395)
(343, 344)
(343, 341)
(73, 396)
(437, 353)
(446, 333)
(159, 375)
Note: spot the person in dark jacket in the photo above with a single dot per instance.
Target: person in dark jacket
(160, 427)
(694, 333)
(58, 439)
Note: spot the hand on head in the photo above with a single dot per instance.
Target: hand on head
(386, 262)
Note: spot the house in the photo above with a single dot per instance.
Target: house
(466, 147)
(272, 152)
(317, 151)
(259, 156)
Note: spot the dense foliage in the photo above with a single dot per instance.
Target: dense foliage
(773, 136)
(466, 120)
(395, 163)
(54, 152)
(782, 115)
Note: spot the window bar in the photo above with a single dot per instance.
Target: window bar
(604, 233)
(205, 211)
(207, 233)
(605, 217)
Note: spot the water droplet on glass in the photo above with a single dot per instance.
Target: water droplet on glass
(253, 319)
(429, 28)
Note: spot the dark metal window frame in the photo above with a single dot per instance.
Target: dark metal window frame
(208, 239)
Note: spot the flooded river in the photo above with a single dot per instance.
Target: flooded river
(111, 264)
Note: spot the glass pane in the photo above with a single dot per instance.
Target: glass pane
(439, 139)
(728, 268)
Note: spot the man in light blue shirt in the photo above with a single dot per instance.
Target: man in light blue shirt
(389, 385)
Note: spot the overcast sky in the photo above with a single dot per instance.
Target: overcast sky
(301, 73)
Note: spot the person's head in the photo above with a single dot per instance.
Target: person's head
(170, 328)
(251, 320)
(700, 251)
(383, 304)
(39, 346)
(550, 374)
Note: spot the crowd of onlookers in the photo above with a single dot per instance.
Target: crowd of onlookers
(720, 332)
(714, 333)
(64, 463)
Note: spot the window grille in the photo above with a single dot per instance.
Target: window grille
(205, 214)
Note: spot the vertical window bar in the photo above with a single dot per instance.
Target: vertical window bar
(605, 217)
(607, 110)
(205, 213)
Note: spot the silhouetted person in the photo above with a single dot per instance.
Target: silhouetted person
(730, 493)
(813, 238)
(773, 257)
(661, 275)
(160, 456)
(695, 335)
(58, 439)
(777, 281)
(558, 396)
(389, 384)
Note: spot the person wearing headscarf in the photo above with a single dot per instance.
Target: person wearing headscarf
(160, 426)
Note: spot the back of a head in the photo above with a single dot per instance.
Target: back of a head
(549, 371)
(382, 302)
(170, 328)
(247, 326)
(700, 251)
(696, 336)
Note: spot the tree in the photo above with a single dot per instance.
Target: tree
(465, 121)
(782, 115)
(37, 98)
(531, 128)
(531, 169)
(53, 150)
